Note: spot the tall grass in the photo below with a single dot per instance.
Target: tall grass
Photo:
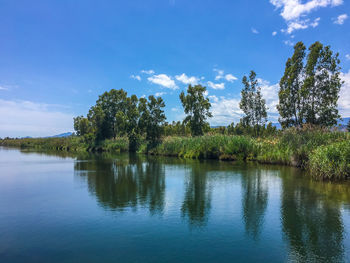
(331, 162)
(208, 147)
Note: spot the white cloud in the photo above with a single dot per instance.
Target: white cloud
(274, 33)
(344, 96)
(220, 75)
(254, 31)
(3, 88)
(340, 19)
(224, 110)
(175, 109)
(137, 77)
(288, 43)
(294, 12)
(347, 56)
(148, 72)
(26, 118)
(301, 24)
(216, 85)
(270, 94)
(294, 9)
(163, 80)
(230, 77)
(187, 80)
(213, 98)
(158, 94)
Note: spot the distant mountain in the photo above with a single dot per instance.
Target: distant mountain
(66, 134)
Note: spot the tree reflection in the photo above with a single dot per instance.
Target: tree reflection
(125, 182)
(197, 200)
(312, 225)
(254, 202)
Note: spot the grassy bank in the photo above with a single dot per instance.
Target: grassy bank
(326, 155)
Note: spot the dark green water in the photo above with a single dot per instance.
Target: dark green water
(121, 208)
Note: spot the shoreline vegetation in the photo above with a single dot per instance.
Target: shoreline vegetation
(323, 154)
(308, 114)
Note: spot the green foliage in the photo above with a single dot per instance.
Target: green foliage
(208, 147)
(348, 126)
(241, 129)
(252, 103)
(309, 93)
(117, 115)
(154, 117)
(331, 162)
(176, 129)
(197, 107)
(82, 125)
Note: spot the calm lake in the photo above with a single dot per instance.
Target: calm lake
(133, 208)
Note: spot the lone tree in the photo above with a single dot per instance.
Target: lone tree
(309, 92)
(252, 103)
(197, 107)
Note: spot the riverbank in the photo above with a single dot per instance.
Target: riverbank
(326, 155)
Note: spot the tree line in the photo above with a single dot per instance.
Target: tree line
(309, 92)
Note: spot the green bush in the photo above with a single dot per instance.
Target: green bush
(331, 162)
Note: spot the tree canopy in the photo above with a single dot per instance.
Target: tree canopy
(197, 108)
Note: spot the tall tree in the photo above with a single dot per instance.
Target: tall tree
(197, 108)
(252, 103)
(290, 94)
(348, 126)
(321, 86)
(309, 92)
(154, 120)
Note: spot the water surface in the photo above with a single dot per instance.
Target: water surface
(133, 208)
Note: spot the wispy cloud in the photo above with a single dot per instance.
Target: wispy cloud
(220, 74)
(3, 88)
(340, 19)
(347, 56)
(219, 86)
(163, 80)
(26, 118)
(274, 33)
(230, 78)
(148, 72)
(137, 77)
(254, 31)
(301, 24)
(158, 94)
(288, 43)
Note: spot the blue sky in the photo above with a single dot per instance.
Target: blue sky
(56, 57)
